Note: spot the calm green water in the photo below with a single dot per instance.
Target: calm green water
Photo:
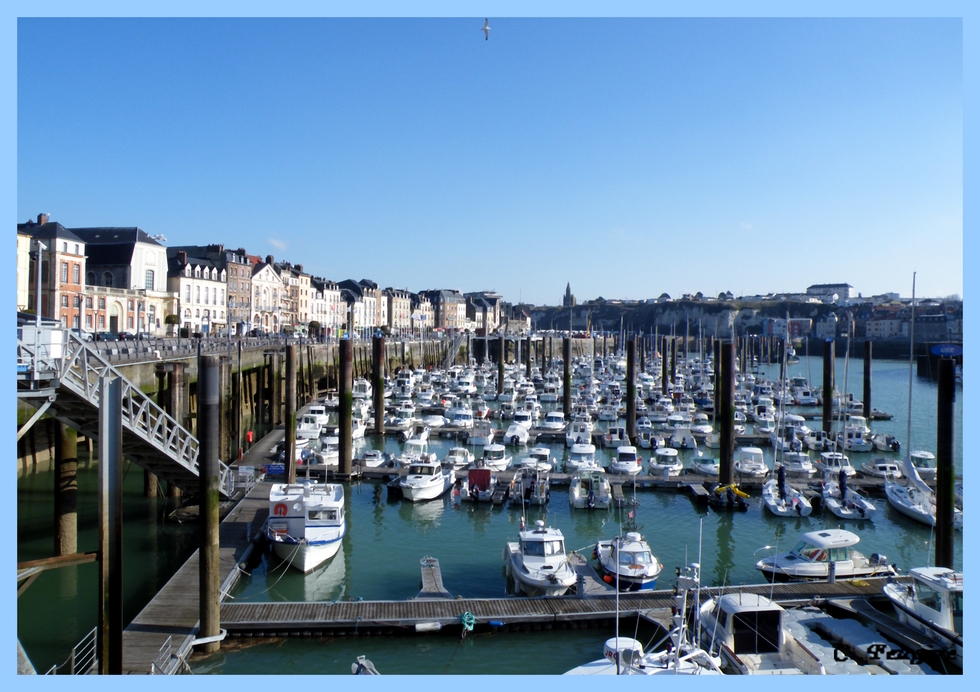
(387, 538)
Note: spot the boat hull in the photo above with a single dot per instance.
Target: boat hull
(306, 556)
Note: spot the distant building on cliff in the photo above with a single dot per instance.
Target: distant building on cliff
(568, 301)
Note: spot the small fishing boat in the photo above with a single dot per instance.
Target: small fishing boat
(530, 486)
(458, 458)
(797, 464)
(814, 554)
(706, 466)
(374, 458)
(615, 436)
(517, 434)
(426, 481)
(834, 462)
(579, 431)
(590, 489)
(581, 456)
(628, 561)
(538, 458)
(627, 461)
(886, 443)
(496, 457)
(782, 499)
(924, 463)
(665, 463)
(933, 605)
(478, 485)
(481, 434)
(537, 562)
(843, 500)
(554, 422)
(818, 440)
(881, 468)
(308, 427)
(306, 522)
(750, 461)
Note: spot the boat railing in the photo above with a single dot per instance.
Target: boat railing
(83, 659)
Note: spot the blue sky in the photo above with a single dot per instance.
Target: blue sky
(629, 157)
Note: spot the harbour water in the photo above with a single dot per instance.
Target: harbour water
(387, 538)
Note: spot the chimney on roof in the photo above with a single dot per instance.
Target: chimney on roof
(269, 259)
(42, 219)
(299, 268)
(182, 257)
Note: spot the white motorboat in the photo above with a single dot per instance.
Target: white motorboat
(458, 458)
(374, 458)
(924, 463)
(426, 480)
(579, 431)
(590, 489)
(306, 522)
(881, 468)
(814, 554)
(615, 436)
(330, 450)
(538, 458)
(361, 388)
(886, 443)
(911, 496)
(650, 439)
(933, 605)
(478, 486)
(496, 457)
(530, 486)
(783, 500)
(629, 562)
(554, 422)
(517, 435)
(580, 457)
(415, 451)
(460, 416)
(818, 441)
(854, 439)
(706, 466)
(416, 431)
(750, 461)
(319, 411)
(625, 656)
(844, 501)
(609, 412)
(434, 421)
(681, 438)
(525, 418)
(627, 461)
(665, 463)
(308, 427)
(797, 464)
(834, 462)
(537, 562)
(748, 631)
(481, 434)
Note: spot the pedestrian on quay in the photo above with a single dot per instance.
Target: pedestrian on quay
(248, 440)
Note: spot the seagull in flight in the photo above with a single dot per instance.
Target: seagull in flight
(486, 29)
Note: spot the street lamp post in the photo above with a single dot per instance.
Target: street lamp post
(37, 314)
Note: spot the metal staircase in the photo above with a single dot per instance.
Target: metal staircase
(453, 350)
(60, 373)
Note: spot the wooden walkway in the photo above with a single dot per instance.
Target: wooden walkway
(389, 617)
(161, 635)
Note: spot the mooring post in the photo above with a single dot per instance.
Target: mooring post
(673, 360)
(664, 366)
(944, 462)
(828, 386)
(631, 390)
(275, 412)
(176, 408)
(110, 527)
(378, 370)
(290, 422)
(500, 364)
(566, 394)
(527, 369)
(725, 405)
(209, 476)
(346, 402)
(867, 379)
(224, 409)
(66, 490)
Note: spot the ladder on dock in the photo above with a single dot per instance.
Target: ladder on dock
(67, 385)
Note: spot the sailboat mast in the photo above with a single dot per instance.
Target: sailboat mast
(908, 424)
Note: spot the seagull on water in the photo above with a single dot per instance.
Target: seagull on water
(486, 29)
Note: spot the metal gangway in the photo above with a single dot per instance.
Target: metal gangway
(453, 350)
(59, 373)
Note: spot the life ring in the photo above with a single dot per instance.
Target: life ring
(280, 510)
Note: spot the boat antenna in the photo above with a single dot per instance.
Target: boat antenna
(772, 584)
(618, 543)
(697, 591)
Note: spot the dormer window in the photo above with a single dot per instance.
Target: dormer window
(187, 270)
(197, 272)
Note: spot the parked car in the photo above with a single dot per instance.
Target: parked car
(145, 336)
(105, 336)
(83, 335)
(126, 336)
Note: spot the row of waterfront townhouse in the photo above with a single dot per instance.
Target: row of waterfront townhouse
(122, 279)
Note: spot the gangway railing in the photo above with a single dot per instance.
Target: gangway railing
(83, 659)
(453, 351)
(81, 370)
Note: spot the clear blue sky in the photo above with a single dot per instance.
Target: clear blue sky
(628, 157)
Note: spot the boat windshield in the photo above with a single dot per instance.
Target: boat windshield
(323, 515)
(810, 552)
(543, 548)
(639, 557)
(956, 605)
(421, 470)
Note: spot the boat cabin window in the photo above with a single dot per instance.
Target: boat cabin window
(543, 548)
(756, 632)
(839, 554)
(421, 471)
(323, 515)
(956, 605)
(928, 596)
(640, 557)
(810, 552)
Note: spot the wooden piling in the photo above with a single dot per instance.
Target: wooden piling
(867, 379)
(944, 462)
(208, 417)
(631, 390)
(566, 396)
(501, 359)
(828, 386)
(65, 490)
(378, 384)
(346, 403)
(110, 527)
(290, 420)
(725, 405)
